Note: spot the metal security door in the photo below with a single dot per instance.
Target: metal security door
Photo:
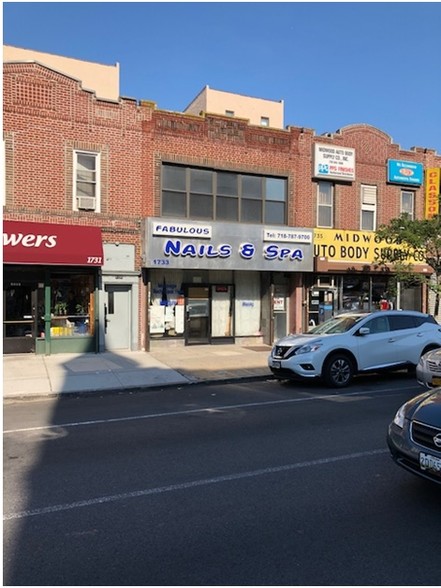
(117, 311)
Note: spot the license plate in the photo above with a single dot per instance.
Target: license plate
(436, 381)
(431, 463)
(277, 364)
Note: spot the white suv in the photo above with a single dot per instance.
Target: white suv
(353, 343)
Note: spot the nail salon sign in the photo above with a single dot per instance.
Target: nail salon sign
(176, 244)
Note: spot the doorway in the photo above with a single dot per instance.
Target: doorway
(320, 305)
(117, 312)
(280, 310)
(23, 315)
(197, 313)
(222, 315)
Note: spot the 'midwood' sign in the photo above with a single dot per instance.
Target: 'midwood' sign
(364, 248)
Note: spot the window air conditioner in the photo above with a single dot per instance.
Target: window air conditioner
(86, 203)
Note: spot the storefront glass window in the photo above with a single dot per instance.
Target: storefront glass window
(366, 293)
(230, 310)
(166, 309)
(72, 305)
(247, 304)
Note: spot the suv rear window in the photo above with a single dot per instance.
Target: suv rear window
(402, 321)
(426, 319)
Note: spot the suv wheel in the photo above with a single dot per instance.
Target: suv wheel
(338, 370)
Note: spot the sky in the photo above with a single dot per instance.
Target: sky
(333, 64)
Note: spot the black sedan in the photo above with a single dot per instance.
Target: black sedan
(414, 436)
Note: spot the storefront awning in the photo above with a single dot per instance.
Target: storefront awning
(51, 244)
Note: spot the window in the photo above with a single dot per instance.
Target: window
(223, 196)
(86, 181)
(275, 190)
(251, 202)
(378, 325)
(325, 204)
(229, 112)
(407, 203)
(264, 121)
(368, 208)
(201, 194)
(72, 304)
(401, 322)
(174, 191)
(227, 200)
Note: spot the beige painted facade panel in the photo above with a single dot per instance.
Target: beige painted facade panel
(101, 79)
(247, 107)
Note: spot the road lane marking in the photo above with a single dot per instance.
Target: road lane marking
(202, 410)
(187, 485)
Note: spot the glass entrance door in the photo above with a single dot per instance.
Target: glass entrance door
(20, 309)
(197, 311)
(280, 311)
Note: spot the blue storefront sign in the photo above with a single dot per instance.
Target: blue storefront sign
(405, 172)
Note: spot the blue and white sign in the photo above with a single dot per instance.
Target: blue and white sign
(178, 244)
(334, 163)
(405, 172)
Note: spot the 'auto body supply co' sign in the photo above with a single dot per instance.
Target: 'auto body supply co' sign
(177, 244)
(357, 247)
(331, 162)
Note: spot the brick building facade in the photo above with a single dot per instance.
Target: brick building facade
(210, 229)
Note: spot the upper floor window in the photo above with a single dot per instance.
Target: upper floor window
(223, 196)
(368, 219)
(325, 204)
(264, 121)
(229, 112)
(407, 204)
(86, 181)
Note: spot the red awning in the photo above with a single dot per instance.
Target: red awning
(51, 244)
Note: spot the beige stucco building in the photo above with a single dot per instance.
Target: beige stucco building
(258, 111)
(101, 79)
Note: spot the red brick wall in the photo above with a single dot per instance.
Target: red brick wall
(215, 142)
(47, 115)
(373, 148)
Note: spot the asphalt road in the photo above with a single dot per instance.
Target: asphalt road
(241, 484)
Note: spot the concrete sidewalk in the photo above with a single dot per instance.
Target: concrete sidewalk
(31, 376)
